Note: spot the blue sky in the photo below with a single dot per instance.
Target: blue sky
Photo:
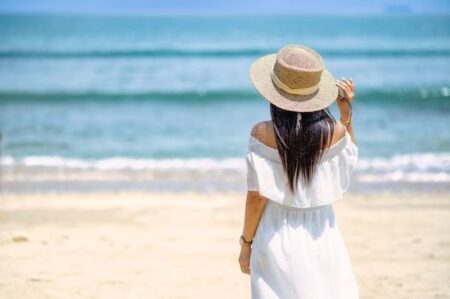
(226, 6)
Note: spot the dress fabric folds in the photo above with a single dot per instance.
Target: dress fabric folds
(298, 251)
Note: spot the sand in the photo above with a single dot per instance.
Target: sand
(184, 245)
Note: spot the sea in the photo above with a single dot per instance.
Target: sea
(164, 103)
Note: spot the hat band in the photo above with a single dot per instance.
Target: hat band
(297, 91)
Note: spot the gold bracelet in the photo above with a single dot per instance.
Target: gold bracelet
(346, 123)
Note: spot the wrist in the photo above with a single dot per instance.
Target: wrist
(245, 248)
(345, 119)
(245, 242)
(346, 122)
(345, 114)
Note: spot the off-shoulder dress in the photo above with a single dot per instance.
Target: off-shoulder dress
(298, 251)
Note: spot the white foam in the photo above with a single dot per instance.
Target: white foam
(49, 161)
(419, 167)
(120, 163)
(168, 164)
(7, 161)
(426, 161)
(413, 168)
(401, 176)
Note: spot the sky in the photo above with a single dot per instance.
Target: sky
(225, 6)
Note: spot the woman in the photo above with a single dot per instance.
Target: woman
(297, 165)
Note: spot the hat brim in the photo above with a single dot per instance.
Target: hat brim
(260, 76)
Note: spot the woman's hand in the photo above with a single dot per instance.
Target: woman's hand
(343, 102)
(244, 259)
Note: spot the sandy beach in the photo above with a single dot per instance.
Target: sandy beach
(184, 245)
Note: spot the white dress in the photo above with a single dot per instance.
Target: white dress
(298, 251)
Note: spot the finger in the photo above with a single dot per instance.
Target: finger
(349, 85)
(344, 87)
(346, 90)
(353, 84)
(342, 83)
(244, 264)
(339, 87)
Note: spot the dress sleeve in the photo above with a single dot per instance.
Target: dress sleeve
(334, 174)
(347, 164)
(252, 179)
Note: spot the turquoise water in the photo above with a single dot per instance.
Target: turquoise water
(76, 90)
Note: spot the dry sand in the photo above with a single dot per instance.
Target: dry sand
(144, 245)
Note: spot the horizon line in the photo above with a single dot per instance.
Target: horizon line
(210, 13)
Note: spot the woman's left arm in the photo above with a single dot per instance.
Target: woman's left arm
(254, 207)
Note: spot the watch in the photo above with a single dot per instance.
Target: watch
(244, 242)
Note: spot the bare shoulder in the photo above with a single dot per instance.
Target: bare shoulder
(259, 130)
(264, 132)
(339, 132)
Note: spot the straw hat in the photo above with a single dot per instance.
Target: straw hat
(294, 79)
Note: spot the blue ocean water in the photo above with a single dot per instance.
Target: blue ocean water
(157, 91)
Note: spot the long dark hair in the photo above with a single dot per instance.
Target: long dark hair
(301, 138)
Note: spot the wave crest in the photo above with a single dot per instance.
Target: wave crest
(222, 53)
(440, 94)
(419, 167)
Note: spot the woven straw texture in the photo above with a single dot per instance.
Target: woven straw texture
(296, 66)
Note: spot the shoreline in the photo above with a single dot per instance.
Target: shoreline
(184, 245)
(208, 185)
(424, 172)
(31, 180)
